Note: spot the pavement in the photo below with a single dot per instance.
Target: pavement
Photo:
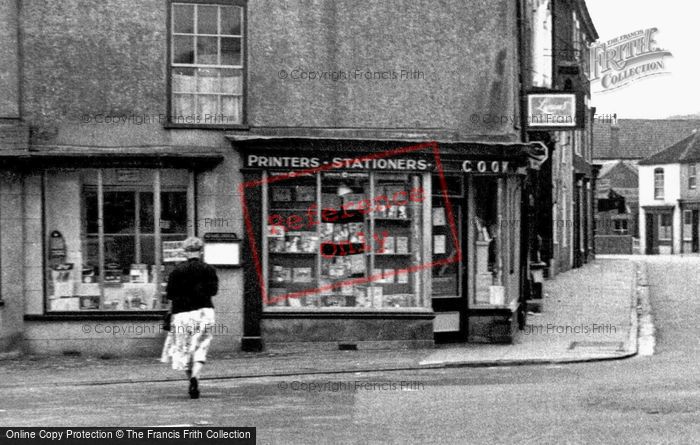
(589, 314)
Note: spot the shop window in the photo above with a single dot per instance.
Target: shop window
(665, 226)
(621, 227)
(659, 183)
(345, 239)
(113, 236)
(692, 177)
(207, 63)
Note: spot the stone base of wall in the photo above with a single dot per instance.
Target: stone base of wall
(334, 333)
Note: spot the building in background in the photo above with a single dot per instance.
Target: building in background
(669, 200)
(617, 210)
(619, 145)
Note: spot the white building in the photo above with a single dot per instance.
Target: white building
(669, 201)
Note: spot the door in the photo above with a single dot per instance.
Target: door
(652, 248)
(696, 222)
(448, 276)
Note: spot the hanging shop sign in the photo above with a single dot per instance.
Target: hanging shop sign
(555, 110)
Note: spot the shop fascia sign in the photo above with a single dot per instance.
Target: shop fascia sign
(264, 161)
(555, 110)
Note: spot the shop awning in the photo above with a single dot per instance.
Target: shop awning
(151, 157)
(532, 154)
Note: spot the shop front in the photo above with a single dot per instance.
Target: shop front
(368, 244)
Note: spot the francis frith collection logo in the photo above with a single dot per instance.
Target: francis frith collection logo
(625, 59)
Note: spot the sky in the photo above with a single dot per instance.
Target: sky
(656, 97)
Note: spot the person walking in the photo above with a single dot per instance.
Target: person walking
(191, 286)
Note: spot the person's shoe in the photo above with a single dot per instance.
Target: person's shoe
(194, 389)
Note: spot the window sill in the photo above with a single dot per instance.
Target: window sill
(171, 126)
(100, 315)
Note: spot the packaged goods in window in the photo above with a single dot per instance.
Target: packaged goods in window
(138, 273)
(113, 273)
(275, 297)
(90, 302)
(360, 295)
(276, 245)
(295, 301)
(439, 216)
(347, 290)
(302, 275)
(402, 244)
(340, 232)
(376, 294)
(275, 231)
(356, 233)
(326, 231)
(357, 264)
(402, 276)
(173, 252)
(309, 242)
(389, 246)
(65, 304)
(353, 201)
(439, 244)
(293, 242)
(333, 300)
(281, 194)
(336, 270)
(396, 300)
(88, 274)
(402, 212)
(377, 275)
(281, 274)
(305, 193)
(388, 275)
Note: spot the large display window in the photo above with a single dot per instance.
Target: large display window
(345, 240)
(113, 235)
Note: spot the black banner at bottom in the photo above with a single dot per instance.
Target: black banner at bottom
(120, 436)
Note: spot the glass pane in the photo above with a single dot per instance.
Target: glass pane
(230, 51)
(231, 20)
(231, 109)
(208, 80)
(91, 211)
(206, 20)
(146, 212)
(148, 253)
(232, 81)
(183, 16)
(183, 49)
(183, 80)
(207, 51)
(486, 233)
(183, 107)
(206, 104)
(119, 212)
(173, 217)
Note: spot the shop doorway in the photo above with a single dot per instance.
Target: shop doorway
(659, 236)
(449, 289)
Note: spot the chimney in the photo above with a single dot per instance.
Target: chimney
(614, 141)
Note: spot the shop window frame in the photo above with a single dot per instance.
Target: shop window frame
(157, 189)
(243, 125)
(421, 284)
